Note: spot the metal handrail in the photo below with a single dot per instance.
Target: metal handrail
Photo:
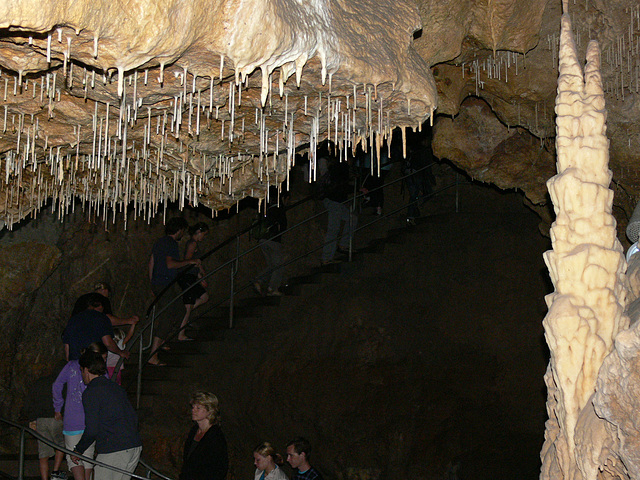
(221, 245)
(308, 252)
(305, 254)
(23, 429)
(233, 264)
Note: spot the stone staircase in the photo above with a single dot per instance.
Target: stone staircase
(9, 462)
(208, 331)
(211, 328)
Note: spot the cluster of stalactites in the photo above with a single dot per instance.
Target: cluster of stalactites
(147, 102)
(136, 152)
(586, 264)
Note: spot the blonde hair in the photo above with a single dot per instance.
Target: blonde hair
(209, 401)
(118, 334)
(266, 450)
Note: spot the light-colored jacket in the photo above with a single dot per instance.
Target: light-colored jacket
(276, 474)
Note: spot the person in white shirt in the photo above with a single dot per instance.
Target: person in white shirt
(267, 463)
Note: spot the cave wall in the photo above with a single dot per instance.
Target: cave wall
(47, 263)
(515, 74)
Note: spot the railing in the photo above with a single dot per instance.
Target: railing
(26, 430)
(152, 314)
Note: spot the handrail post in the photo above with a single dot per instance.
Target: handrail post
(21, 459)
(457, 191)
(234, 270)
(140, 351)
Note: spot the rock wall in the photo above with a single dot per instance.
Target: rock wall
(47, 263)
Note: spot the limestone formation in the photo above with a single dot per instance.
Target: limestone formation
(140, 103)
(586, 267)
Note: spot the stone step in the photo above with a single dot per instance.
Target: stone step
(194, 347)
(9, 464)
(211, 328)
(173, 372)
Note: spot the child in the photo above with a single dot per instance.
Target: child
(40, 414)
(73, 421)
(121, 340)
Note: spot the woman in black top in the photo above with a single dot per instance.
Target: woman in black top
(205, 451)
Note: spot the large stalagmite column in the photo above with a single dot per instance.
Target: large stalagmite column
(586, 264)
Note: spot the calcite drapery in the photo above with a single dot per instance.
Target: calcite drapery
(586, 264)
(148, 101)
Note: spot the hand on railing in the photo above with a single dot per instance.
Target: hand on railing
(78, 457)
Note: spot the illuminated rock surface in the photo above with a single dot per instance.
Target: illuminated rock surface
(137, 103)
(196, 102)
(586, 266)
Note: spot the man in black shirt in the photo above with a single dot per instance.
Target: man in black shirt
(104, 289)
(109, 419)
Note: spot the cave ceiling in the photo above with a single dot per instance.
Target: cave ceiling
(114, 104)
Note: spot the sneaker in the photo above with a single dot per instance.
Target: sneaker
(273, 293)
(378, 210)
(59, 475)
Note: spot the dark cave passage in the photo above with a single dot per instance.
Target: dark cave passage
(423, 358)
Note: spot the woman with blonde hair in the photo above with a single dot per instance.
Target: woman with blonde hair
(205, 451)
(267, 463)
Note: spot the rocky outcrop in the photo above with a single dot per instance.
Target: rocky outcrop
(478, 143)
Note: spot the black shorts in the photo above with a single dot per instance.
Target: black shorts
(190, 297)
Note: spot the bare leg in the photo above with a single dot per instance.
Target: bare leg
(44, 468)
(57, 460)
(78, 472)
(155, 345)
(204, 298)
(87, 473)
(182, 336)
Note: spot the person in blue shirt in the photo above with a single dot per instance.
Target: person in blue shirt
(87, 327)
(164, 265)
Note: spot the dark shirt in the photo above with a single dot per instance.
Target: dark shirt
(82, 304)
(311, 474)
(276, 218)
(39, 400)
(337, 185)
(85, 328)
(109, 418)
(209, 459)
(163, 248)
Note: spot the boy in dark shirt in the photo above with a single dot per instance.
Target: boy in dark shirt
(298, 451)
(109, 418)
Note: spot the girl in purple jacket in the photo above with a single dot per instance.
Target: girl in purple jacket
(73, 418)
